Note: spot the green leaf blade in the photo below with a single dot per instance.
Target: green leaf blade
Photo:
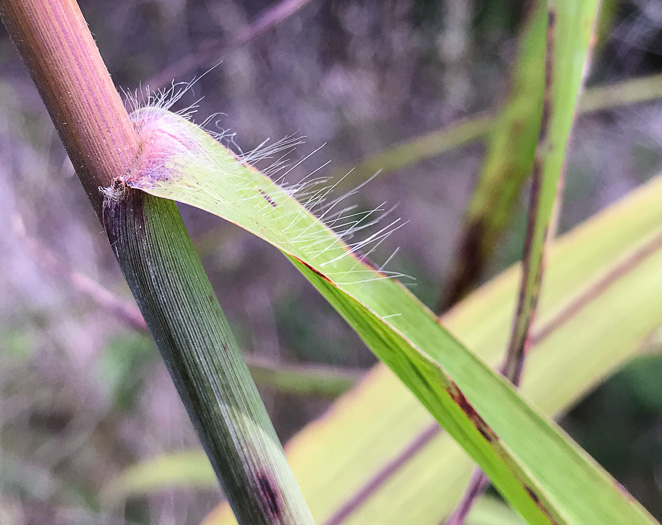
(197, 170)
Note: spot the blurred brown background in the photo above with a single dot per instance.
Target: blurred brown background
(82, 395)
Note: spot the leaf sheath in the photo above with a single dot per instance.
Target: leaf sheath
(189, 327)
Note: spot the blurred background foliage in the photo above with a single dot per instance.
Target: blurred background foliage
(83, 394)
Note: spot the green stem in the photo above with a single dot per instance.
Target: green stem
(508, 162)
(188, 325)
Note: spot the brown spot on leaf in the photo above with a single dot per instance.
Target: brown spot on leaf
(532, 494)
(270, 495)
(480, 424)
(267, 198)
(314, 270)
(536, 499)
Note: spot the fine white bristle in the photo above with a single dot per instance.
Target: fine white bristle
(313, 192)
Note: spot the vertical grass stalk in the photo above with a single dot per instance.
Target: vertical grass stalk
(508, 162)
(203, 358)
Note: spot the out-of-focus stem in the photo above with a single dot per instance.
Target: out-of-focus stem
(508, 162)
